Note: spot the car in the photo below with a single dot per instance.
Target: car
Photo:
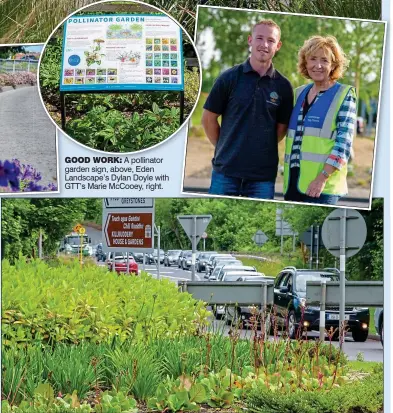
(120, 264)
(138, 256)
(201, 260)
(294, 315)
(171, 257)
(153, 258)
(233, 314)
(378, 322)
(100, 254)
(180, 259)
(233, 267)
(212, 261)
(186, 260)
(219, 268)
(359, 125)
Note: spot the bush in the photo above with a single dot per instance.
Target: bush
(111, 130)
(99, 305)
(18, 78)
(361, 396)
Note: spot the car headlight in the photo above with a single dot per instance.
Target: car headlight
(188, 262)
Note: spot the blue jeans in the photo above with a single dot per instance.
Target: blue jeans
(323, 199)
(222, 184)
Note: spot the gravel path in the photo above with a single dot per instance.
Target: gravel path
(27, 133)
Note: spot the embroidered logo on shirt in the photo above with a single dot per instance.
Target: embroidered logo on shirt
(274, 98)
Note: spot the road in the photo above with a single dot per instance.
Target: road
(371, 350)
(27, 133)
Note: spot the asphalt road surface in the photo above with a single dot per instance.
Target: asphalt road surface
(371, 350)
(27, 133)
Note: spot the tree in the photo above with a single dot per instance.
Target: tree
(7, 52)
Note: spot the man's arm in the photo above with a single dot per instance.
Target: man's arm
(281, 131)
(211, 126)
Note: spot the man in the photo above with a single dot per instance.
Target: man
(255, 102)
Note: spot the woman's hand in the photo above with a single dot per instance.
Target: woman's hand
(316, 186)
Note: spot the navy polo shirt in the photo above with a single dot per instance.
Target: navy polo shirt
(251, 106)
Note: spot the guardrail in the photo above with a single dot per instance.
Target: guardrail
(357, 293)
(230, 293)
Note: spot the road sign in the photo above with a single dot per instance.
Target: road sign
(128, 224)
(194, 226)
(77, 227)
(82, 230)
(344, 233)
(204, 235)
(283, 227)
(356, 232)
(129, 202)
(260, 238)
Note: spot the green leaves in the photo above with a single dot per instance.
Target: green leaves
(111, 130)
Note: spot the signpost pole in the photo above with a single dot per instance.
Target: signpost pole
(204, 244)
(282, 233)
(158, 252)
(322, 314)
(343, 236)
(194, 234)
(317, 246)
(62, 110)
(311, 246)
(40, 245)
(128, 263)
(181, 106)
(143, 263)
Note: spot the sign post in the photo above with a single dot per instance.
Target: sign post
(344, 233)
(128, 225)
(283, 228)
(194, 226)
(121, 53)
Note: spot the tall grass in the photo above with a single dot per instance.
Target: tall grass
(33, 20)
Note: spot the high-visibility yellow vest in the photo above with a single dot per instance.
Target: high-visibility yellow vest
(318, 139)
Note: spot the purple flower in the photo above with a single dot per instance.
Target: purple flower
(15, 177)
(9, 172)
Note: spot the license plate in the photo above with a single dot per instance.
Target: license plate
(336, 317)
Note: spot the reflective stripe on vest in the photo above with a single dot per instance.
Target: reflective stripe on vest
(317, 141)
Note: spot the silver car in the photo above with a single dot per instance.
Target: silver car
(378, 321)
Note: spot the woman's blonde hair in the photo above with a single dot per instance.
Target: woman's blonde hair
(330, 45)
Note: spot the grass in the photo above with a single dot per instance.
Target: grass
(363, 366)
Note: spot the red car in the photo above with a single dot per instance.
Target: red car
(121, 265)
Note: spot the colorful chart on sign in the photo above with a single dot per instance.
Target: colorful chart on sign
(120, 52)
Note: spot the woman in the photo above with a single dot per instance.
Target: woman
(321, 127)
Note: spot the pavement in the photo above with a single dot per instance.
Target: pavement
(358, 197)
(26, 131)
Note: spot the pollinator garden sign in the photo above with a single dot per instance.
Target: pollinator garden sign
(121, 52)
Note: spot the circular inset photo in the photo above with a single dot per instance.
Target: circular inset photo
(119, 76)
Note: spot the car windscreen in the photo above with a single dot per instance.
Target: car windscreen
(231, 277)
(174, 252)
(302, 279)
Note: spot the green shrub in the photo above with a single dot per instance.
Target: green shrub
(361, 396)
(99, 305)
(110, 130)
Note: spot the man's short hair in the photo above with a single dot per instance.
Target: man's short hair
(267, 22)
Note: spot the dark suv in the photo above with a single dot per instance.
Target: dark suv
(293, 311)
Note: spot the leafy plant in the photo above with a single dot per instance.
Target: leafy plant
(110, 130)
(116, 402)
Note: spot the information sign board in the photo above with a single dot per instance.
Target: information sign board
(128, 224)
(122, 52)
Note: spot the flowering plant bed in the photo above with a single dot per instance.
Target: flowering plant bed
(18, 78)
